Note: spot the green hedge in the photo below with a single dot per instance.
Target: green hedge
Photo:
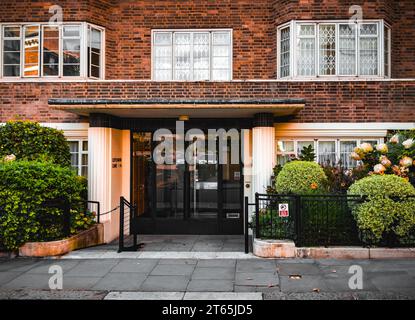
(301, 177)
(24, 187)
(30, 141)
(388, 211)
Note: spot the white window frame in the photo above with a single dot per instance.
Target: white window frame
(192, 32)
(316, 140)
(23, 50)
(84, 49)
(81, 152)
(2, 38)
(293, 24)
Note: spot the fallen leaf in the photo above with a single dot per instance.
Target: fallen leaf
(316, 290)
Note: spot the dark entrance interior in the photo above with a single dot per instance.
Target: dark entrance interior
(202, 196)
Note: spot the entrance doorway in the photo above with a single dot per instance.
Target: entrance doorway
(200, 196)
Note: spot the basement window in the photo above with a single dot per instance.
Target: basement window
(310, 49)
(43, 50)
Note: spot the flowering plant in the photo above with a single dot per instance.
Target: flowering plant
(396, 156)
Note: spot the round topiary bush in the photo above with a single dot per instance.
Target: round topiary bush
(30, 141)
(301, 177)
(24, 187)
(387, 211)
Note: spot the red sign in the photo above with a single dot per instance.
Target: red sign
(283, 210)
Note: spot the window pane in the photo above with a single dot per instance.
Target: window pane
(285, 146)
(368, 47)
(71, 31)
(71, 70)
(12, 32)
(94, 53)
(302, 144)
(285, 52)
(327, 152)
(182, 56)
(84, 172)
(31, 51)
(11, 51)
(306, 47)
(201, 56)
(327, 47)
(71, 51)
(85, 145)
(386, 58)
(221, 75)
(221, 38)
(84, 159)
(11, 71)
(347, 49)
(73, 146)
(346, 148)
(50, 51)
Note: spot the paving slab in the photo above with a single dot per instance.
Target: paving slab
(144, 296)
(172, 270)
(28, 281)
(19, 264)
(265, 279)
(307, 283)
(223, 296)
(209, 273)
(7, 276)
(216, 263)
(120, 281)
(79, 283)
(165, 283)
(135, 266)
(210, 285)
(44, 266)
(92, 268)
(256, 266)
(178, 261)
(287, 269)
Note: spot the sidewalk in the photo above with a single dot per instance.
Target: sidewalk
(192, 278)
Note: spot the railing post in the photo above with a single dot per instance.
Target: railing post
(98, 212)
(246, 225)
(66, 218)
(121, 235)
(257, 224)
(297, 220)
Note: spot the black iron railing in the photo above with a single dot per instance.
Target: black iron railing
(127, 219)
(312, 220)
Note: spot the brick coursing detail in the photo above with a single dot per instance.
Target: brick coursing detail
(345, 101)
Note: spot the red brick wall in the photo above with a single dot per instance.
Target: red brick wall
(325, 101)
(128, 26)
(129, 23)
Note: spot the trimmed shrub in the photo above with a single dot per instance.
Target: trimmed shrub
(24, 188)
(387, 211)
(301, 177)
(30, 141)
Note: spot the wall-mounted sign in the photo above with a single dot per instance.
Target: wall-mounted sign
(283, 210)
(116, 163)
(236, 176)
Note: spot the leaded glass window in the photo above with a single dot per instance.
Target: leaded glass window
(327, 49)
(285, 52)
(347, 49)
(192, 55)
(368, 49)
(306, 54)
(340, 48)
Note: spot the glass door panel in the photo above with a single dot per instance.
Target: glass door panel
(141, 166)
(204, 185)
(170, 187)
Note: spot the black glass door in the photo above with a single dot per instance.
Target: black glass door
(193, 194)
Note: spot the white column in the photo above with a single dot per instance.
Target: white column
(263, 157)
(99, 168)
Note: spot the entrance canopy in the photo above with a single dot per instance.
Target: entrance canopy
(163, 108)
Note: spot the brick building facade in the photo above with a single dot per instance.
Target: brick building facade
(111, 68)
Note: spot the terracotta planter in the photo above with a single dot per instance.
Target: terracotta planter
(88, 238)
